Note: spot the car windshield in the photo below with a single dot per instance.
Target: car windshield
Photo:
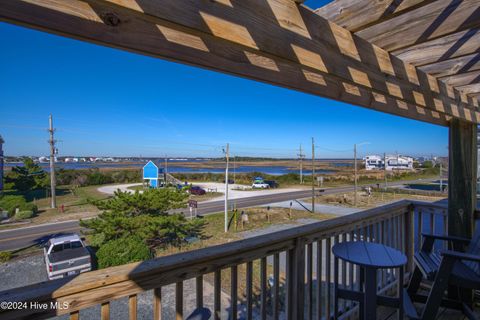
(66, 245)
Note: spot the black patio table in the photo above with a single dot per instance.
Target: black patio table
(370, 257)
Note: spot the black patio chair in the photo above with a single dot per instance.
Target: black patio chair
(445, 268)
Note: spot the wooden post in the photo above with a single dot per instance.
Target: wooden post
(462, 177)
(409, 231)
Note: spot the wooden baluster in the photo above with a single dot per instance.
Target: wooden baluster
(179, 300)
(105, 311)
(319, 278)
(157, 303)
(249, 290)
(75, 315)
(132, 307)
(328, 253)
(309, 281)
(290, 291)
(217, 290)
(199, 291)
(432, 223)
(234, 291)
(445, 232)
(419, 229)
(344, 275)
(351, 272)
(263, 286)
(383, 240)
(276, 285)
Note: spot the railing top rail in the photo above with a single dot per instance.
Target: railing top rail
(137, 277)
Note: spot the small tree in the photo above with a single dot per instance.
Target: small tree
(30, 176)
(153, 202)
(144, 215)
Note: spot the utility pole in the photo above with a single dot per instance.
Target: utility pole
(441, 181)
(385, 169)
(313, 176)
(234, 170)
(355, 178)
(52, 141)
(226, 189)
(301, 156)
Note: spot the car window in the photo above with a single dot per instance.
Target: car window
(57, 248)
(76, 244)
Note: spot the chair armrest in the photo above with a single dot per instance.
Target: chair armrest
(460, 255)
(446, 238)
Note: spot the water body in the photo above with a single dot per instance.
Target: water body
(272, 170)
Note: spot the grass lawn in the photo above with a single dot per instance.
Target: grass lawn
(363, 201)
(139, 187)
(75, 202)
(214, 234)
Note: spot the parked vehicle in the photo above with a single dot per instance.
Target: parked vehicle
(198, 191)
(66, 256)
(260, 184)
(272, 183)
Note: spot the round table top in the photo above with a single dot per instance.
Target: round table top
(369, 254)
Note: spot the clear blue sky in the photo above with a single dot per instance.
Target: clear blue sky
(111, 102)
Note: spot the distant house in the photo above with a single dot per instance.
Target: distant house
(153, 174)
(394, 162)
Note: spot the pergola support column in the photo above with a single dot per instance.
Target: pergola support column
(462, 178)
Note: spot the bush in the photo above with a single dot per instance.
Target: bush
(5, 256)
(10, 203)
(28, 207)
(26, 214)
(121, 251)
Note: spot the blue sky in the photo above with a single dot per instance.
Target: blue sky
(110, 102)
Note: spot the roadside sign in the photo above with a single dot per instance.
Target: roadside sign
(193, 203)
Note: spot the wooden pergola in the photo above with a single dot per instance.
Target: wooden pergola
(415, 59)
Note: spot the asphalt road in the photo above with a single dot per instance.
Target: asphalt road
(35, 235)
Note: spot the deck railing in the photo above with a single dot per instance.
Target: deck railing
(287, 274)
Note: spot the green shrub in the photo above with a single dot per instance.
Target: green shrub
(28, 207)
(10, 203)
(121, 251)
(5, 256)
(26, 214)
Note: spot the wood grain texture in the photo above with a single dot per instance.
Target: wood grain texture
(470, 88)
(336, 52)
(233, 41)
(467, 63)
(355, 15)
(432, 21)
(462, 79)
(444, 48)
(462, 178)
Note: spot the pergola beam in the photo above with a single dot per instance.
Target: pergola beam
(452, 46)
(432, 21)
(470, 89)
(462, 79)
(274, 41)
(355, 15)
(453, 66)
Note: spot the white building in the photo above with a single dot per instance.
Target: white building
(394, 162)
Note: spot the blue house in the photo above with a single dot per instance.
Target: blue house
(153, 174)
